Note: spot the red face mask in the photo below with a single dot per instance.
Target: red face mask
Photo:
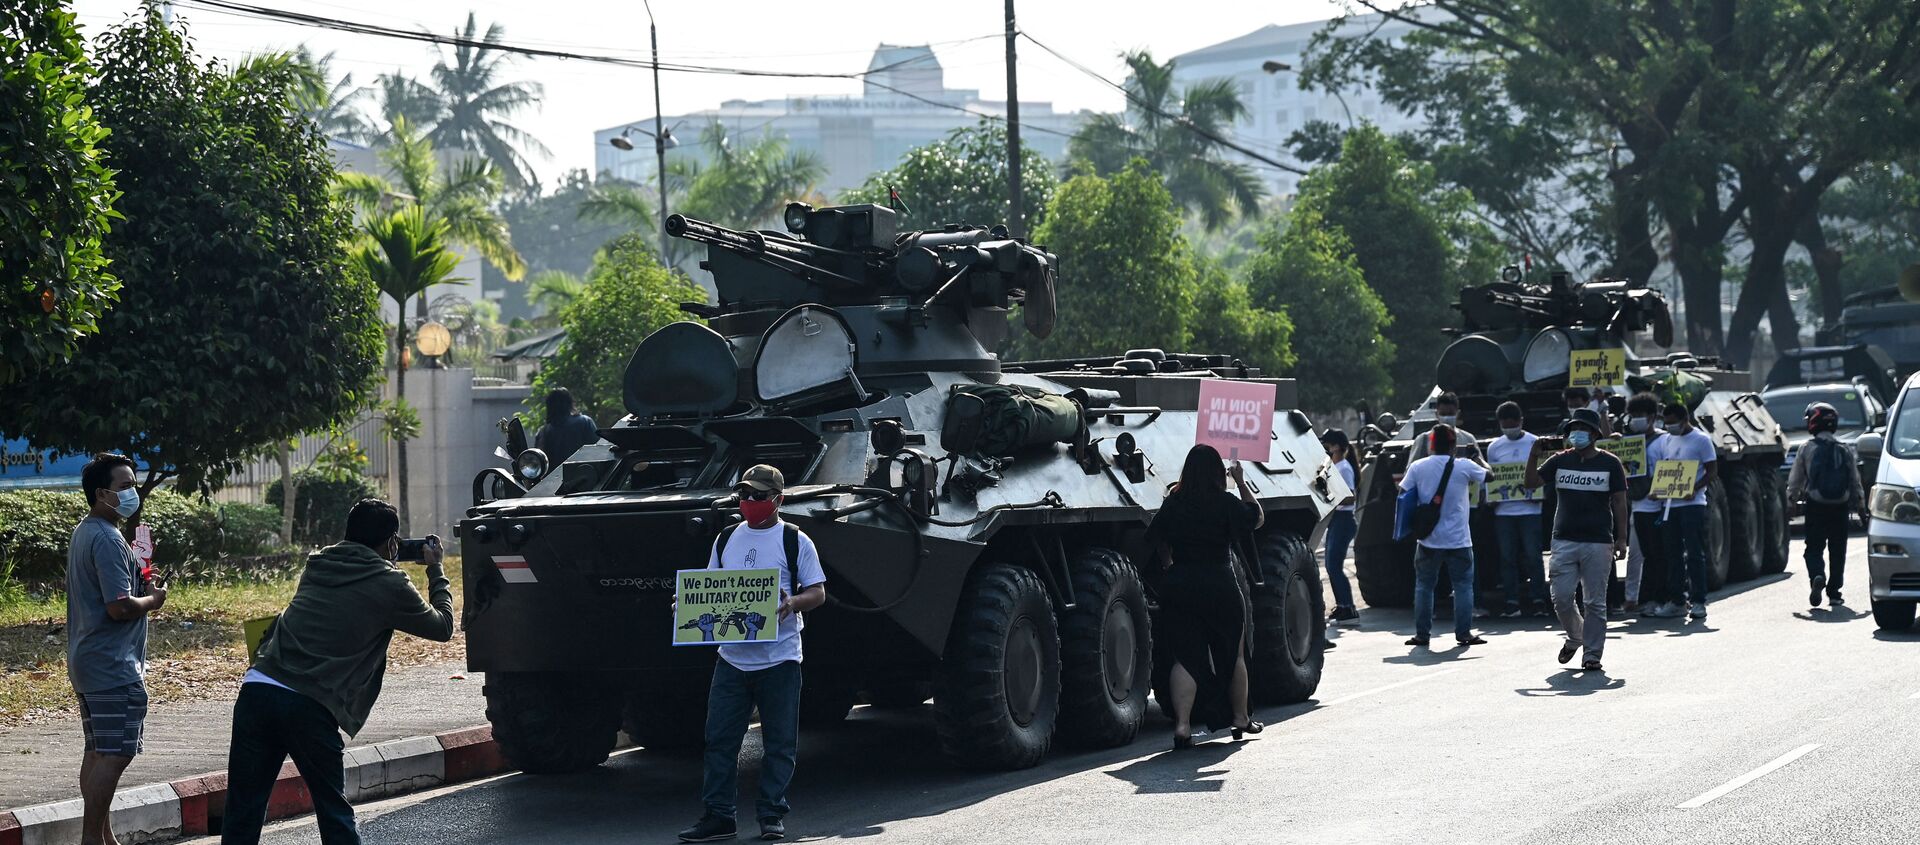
(757, 511)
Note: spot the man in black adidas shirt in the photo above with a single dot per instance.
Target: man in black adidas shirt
(1586, 491)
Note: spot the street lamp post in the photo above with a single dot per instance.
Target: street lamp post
(659, 132)
(1272, 66)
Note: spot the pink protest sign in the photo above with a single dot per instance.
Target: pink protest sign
(1236, 417)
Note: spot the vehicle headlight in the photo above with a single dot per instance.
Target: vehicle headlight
(1546, 356)
(1894, 503)
(531, 465)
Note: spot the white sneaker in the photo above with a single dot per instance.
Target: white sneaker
(1699, 611)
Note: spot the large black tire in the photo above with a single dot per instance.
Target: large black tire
(669, 713)
(1896, 616)
(1746, 533)
(996, 693)
(548, 723)
(1288, 643)
(825, 699)
(1106, 653)
(1719, 550)
(1773, 519)
(1385, 572)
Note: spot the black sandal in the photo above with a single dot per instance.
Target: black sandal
(1251, 727)
(1182, 742)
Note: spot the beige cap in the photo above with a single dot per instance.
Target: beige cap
(763, 478)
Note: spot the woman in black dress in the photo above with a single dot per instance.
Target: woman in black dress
(1200, 597)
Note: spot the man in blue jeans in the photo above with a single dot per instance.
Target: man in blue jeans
(763, 674)
(1450, 544)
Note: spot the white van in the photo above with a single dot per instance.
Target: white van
(1893, 535)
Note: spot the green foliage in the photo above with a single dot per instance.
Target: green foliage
(1126, 276)
(56, 193)
(36, 526)
(1227, 321)
(962, 179)
(744, 186)
(474, 104)
(241, 323)
(326, 494)
(1877, 212)
(1339, 323)
(461, 198)
(628, 295)
(1159, 125)
(1416, 243)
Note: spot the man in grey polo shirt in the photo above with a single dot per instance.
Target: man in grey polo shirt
(108, 600)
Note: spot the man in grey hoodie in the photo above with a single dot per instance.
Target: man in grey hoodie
(319, 671)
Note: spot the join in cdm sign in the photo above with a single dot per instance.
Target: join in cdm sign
(24, 465)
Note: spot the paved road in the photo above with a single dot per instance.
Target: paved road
(1493, 744)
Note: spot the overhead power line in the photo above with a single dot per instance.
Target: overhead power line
(1178, 120)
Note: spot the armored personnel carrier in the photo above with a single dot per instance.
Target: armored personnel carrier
(980, 522)
(1514, 344)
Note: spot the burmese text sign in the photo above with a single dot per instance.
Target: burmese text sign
(725, 606)
(1236, 417)
(1674, 479)
(1597, 367)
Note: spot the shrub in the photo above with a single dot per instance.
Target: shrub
(320, 515)
(190, 533)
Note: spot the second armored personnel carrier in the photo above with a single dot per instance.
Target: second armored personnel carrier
(1514, 344)
(997, 569)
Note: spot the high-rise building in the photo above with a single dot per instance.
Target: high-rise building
(905, 104)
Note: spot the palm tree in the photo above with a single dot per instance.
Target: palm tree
(332, 104)
(405, 252)
(745, 186)
(476, 104)
(1159, 125)
(553, 290)
(401, 97)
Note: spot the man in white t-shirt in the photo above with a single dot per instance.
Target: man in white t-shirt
(1451, 544)
(764, 675)
(1517, 524)
(1683, 531)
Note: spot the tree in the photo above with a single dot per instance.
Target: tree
(1339, 324)
(1416, 244)
(1159, 125)
(552, 291)
(960, 179)
(57, 197)
(401, 97)
(1228, 322)
(332, 104)
(462, 197)
(629, 294)
(476, 104)
(241, 323)
(744, 186)
(1126, 278)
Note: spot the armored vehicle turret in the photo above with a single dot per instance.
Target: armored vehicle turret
(1516, 342)
(980, 522)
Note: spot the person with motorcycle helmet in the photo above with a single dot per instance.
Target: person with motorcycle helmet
(1824, 484)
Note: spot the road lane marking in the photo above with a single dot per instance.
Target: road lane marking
(1915, 695)
(1395, 685)
(1743, 780)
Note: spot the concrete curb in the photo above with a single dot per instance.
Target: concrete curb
(194, 806)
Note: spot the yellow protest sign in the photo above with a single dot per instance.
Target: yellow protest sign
(1596, 367)
(1631, 450)
(725, 606)
(1674, 479)
(1507, 483)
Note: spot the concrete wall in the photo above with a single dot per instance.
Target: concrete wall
(457, 436)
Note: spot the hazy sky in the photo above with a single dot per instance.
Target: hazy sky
(820, 36)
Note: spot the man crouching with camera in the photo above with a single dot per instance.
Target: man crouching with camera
(319, 670)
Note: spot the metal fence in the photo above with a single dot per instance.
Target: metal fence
(250, 484)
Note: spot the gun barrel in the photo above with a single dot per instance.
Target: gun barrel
(758, 243)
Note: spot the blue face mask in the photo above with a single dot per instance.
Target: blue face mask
(129, 502)
(1579, 438)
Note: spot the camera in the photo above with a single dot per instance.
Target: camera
(416, 549)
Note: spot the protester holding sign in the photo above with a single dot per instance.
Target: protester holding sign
(1447, 481)
(763, 673)
(1516, 519)
(1587, 491)
(1683, 529)
(1646, 553)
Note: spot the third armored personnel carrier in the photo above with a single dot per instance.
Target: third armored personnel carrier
(1514, 344)
(980, 522)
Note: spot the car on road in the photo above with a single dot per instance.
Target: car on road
(1893, 533)
(1861, 412)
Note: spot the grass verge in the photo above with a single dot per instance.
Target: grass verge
(195, 649)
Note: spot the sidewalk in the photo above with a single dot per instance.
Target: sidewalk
(42, 761)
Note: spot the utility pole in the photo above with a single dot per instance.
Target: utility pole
(659, 134)
(1016, 213)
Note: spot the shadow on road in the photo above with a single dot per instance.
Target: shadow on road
(1911, 636)
(1418, 656)
(1841, 613)
(1572, 682)
(1180, 771)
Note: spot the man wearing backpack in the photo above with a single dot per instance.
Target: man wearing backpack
(1826, 476)
(763, 674)
(1441, 480)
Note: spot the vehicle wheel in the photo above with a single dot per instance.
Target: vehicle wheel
(825, 699)
(1288, 619)
(670, 712)
(1385, 572)
(996, 694)
(1745, 532)
(1106, 653)
(1773, 519)
(900, 695)
(1719, 551)
(547, 723)
(1893, 615)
